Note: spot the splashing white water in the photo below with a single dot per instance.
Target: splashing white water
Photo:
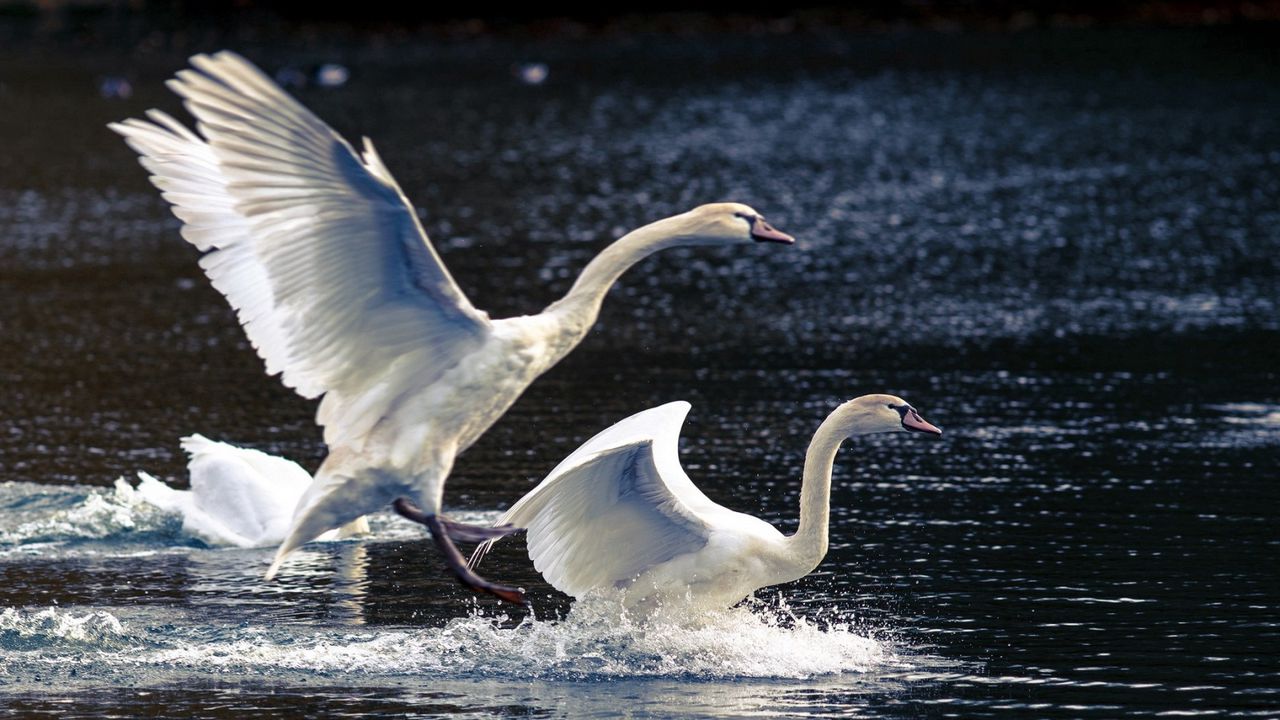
(596, 640)
(21, 630)
(35, 517)
(81, 513)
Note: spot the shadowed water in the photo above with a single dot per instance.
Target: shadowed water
(1061, 247)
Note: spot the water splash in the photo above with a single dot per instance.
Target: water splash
(25, 630)
(596, 640)
(37, 517)
(77, 513)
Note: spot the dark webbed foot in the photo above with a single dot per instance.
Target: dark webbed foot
(444, 531)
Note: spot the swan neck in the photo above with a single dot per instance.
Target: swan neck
(809, 544)
(581, 305)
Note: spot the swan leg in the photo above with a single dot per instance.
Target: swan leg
(440, 534)
(464, 532)
(457, 531)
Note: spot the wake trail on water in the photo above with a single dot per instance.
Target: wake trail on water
(41, 515)
(35, 518)
(52, 628)
(596, 640)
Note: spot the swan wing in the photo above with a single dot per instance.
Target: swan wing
(210, 527)
(250, 492)
(160, 495)
(659, 424)
(314, 244)
(274, 471)
(616, 507)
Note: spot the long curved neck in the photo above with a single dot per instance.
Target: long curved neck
(579, 308)
(809, 545)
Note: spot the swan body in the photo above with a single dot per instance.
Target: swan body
(340, 291)
(620, 513)
(239, 496)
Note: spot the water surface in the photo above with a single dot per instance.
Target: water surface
(1060, 246)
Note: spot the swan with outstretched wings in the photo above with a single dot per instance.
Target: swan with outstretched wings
(620, 514)
(340, 292)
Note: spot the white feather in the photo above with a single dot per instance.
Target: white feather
(239, 496)
(621, 514)
(308, 243)
(340, 291)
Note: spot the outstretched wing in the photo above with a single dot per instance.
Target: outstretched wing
(617, 506)
(314, 245)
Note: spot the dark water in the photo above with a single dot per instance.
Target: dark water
(1062, 247)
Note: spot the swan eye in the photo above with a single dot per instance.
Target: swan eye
(746, 216)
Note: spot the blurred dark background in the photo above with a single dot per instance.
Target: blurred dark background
(146, 25)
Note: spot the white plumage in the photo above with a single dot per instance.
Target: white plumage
(341, 292)
(620, 513)
(239, 496)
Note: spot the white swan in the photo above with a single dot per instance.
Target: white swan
(621, 513)
(340, 291)
(239, 496)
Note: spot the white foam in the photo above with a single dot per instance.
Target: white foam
(35, 518)
(96, 513)
(596, 640)
(52, 627)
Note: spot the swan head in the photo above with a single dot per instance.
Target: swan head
(882, 413)
(726, 223)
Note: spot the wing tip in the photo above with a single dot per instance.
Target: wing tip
(195, 443)
(677, 406)
(675, 410)
(658, 421)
